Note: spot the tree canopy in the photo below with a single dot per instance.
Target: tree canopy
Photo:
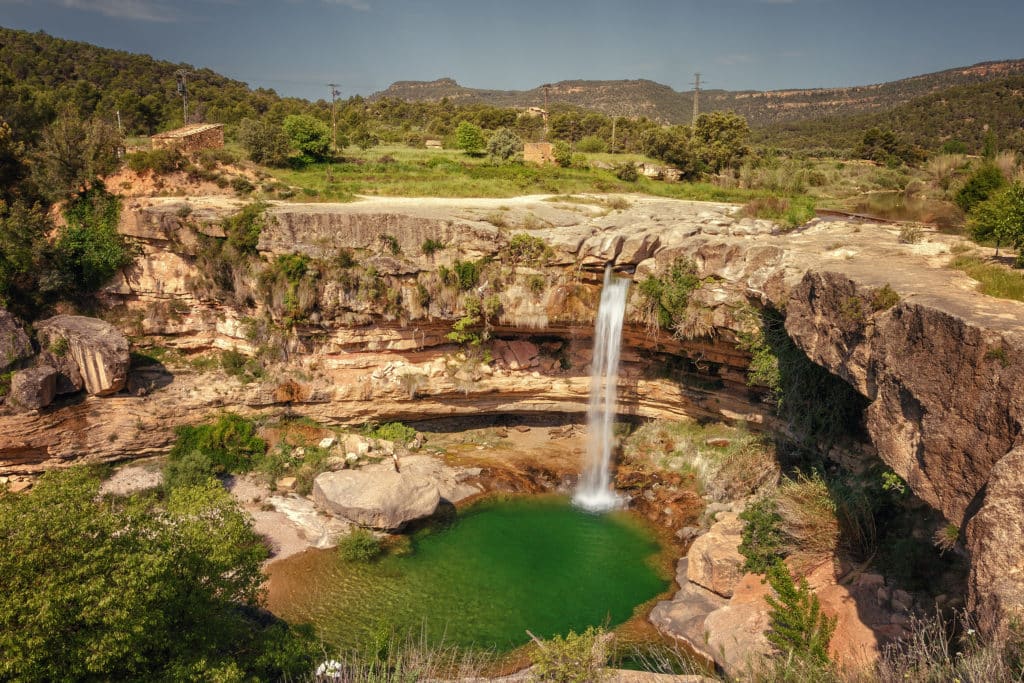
(135, 589)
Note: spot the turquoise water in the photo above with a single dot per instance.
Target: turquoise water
(501, 568)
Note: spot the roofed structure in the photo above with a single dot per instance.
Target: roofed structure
(191, 138)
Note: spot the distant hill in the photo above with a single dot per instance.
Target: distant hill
(662, 103)
(39, 73)
(963, 113)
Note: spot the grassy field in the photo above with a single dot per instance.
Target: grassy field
(396, 171)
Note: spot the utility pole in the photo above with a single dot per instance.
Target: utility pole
(182, 76)
(334, 113)
(546, 86)
(696, 97)
(614, 121)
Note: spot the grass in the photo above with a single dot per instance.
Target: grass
(993, 279)
(448, 173)
(724, 472)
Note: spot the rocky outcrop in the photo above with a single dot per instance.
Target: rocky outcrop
(946, 411)
(379, 499)
(14, 343)
(34, 388)
(715, 561)
(99, 351)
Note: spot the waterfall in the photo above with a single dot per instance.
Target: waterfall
(595, 491)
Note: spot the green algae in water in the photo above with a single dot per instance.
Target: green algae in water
(500, 569)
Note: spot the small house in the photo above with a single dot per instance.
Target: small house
(191, 138)
(434, 144)
(539, 153)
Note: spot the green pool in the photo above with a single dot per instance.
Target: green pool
(501, 568)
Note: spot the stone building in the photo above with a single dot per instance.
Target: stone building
(191, 138)
(539, 152)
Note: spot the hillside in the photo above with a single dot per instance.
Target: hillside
(662, 103)
(964, 113)
(39, 73)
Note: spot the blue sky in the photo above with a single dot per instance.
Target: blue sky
(296, 46)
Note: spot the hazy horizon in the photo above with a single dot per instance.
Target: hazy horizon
(297, 46)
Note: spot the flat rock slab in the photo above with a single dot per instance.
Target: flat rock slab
(379, 499)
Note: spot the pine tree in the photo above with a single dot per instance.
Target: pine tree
(797, 626)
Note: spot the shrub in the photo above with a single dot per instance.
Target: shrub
(230, 442)
(910, 234)
(797, 627)
(762, 536)
(527, 249)
(592, 144)
(466, 274)
(980, 186)
(194, 468)
(808, 519)
(157, 161)
(563, 154)
(390, 244)
(241, 185)
(359, 545)
(430, 246)
(666, 298)
(244, 228)
(884, 298)
(504, 145)
(390, 431)
(626, 172)
(576, 658)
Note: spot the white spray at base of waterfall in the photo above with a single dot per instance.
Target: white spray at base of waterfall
(594, 491)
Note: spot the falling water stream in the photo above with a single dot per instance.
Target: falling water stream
(595, 492)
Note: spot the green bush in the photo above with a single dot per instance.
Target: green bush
(797, 628)
(576, 658)
(504, 145)
(359, 545)
(194, 468)
(390, 431)
(980, 186)
(430, 246)
(884, 298)
(241, 185)
(666, 297)
(762, 536)
(469, 138)
(89, 251)
(467, 274)
(562, 153)
(159, 161)
(527, 249)
(244, 228)
(626, 172)
(230, 443)
(592, 144)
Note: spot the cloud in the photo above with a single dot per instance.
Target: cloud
(138, 10)
(360, 5)
(734, 59)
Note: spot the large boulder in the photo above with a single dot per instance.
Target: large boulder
(14, 343)
(735, 634)
(683, 616)
(715, 560)
(99, 351)
(380, 499)
(34, 388)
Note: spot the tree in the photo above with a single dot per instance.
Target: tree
(73, 154)
(671, 145)
(133, 589)
(719, 139)
(1001, 218)
(469, 138)
(310, 135)
(23, 230)
(797, 627)
(504, 145)
(264, 142)
(89, 250)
